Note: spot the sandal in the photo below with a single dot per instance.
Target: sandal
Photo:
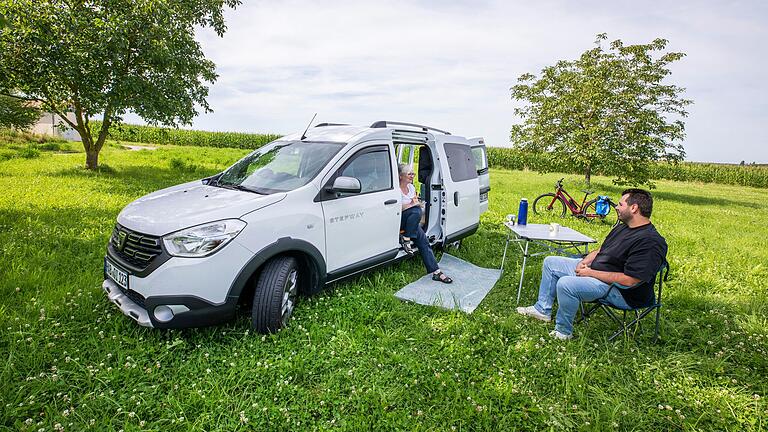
(441, 277)
(406, 244)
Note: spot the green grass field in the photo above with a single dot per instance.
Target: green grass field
(354, 357)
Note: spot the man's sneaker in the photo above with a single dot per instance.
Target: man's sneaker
(532, 312)
(561, 336)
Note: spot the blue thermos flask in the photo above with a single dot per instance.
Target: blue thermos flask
(522, 212)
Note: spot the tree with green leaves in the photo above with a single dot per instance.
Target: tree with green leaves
(103, 58)
(17, 113)
(607, 112)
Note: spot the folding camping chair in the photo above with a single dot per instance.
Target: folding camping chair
(640, 312)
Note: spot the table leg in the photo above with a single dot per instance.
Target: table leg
(504, 257)
(522, 271)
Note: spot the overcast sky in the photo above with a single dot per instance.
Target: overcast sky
(450, 64)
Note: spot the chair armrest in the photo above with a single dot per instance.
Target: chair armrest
(624, 287)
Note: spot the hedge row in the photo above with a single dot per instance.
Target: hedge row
(742, 175)
(157, 135)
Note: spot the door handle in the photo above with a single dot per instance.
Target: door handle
(392, 201)
(456, 199)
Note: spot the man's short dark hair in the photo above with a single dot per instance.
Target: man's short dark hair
(642, 198)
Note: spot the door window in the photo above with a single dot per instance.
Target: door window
(461, 163)
(481, 161)
(372, 168)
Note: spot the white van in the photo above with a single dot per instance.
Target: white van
(287, 219)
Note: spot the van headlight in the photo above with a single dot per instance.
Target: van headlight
(202, 240)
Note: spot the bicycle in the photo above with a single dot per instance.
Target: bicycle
(556, 204)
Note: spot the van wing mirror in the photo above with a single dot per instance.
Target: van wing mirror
(346, 185)
(212, 179)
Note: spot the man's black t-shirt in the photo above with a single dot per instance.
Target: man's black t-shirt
(637, 252)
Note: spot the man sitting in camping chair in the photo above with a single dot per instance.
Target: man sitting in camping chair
(632, 253)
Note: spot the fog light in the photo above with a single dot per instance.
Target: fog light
(163, 313)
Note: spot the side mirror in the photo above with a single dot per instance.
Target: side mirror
(212, 179)
(346, 185)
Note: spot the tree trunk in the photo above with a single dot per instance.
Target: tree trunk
(588, 175)
(91, 159)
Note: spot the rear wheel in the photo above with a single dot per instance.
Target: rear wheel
(590, 213)
(275, 294)
(549, 204)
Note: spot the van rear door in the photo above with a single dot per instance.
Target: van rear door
(480, 153)
(460, 196)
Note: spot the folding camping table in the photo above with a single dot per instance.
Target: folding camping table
(565, 240)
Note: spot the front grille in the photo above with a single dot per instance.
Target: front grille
(135, 248)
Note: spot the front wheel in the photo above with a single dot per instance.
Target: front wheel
(275, 294)
(549, 204)
(590, 213)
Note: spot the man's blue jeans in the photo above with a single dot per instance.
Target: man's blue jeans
(559, 281)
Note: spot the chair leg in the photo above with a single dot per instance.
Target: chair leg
(636, 322)
(624, 326)
(638, 325)
(585, 314)
(620, 322)
(618, 332)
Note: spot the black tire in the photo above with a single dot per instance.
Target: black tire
(541, 204)
(275, 294)
(590, 208)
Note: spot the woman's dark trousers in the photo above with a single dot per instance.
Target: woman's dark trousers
(409, 222)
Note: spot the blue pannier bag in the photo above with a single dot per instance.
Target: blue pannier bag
(602, 206)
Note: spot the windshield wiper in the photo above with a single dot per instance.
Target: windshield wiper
(239, 187)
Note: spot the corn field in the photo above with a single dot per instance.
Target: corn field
(498, 157)
(742, 175)
(185, 137)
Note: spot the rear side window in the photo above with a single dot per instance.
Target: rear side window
(481, 160)
(461, 163)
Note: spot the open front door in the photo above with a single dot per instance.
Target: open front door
(461, 191)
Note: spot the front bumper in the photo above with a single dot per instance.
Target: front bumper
(170, 311)
(126, 305)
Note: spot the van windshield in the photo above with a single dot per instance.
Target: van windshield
(281, 166)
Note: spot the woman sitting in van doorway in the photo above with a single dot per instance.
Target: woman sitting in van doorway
(409, 222)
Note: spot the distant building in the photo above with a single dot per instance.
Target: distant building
(49, 124)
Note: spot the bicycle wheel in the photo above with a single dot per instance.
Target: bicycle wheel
(549, 204)
(590, 213)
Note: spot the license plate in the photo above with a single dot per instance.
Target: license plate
(120, 277)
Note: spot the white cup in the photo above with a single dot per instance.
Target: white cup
(511, 219)
(554, 229)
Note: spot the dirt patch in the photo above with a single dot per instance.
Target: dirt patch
(138, 147)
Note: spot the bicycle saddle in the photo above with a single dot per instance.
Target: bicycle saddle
(588, 192)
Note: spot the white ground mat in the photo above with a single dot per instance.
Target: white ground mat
(470, 286)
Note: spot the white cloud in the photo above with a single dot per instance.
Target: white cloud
(450, 64)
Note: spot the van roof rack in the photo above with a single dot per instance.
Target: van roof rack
(386, 123)
(331, 124)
